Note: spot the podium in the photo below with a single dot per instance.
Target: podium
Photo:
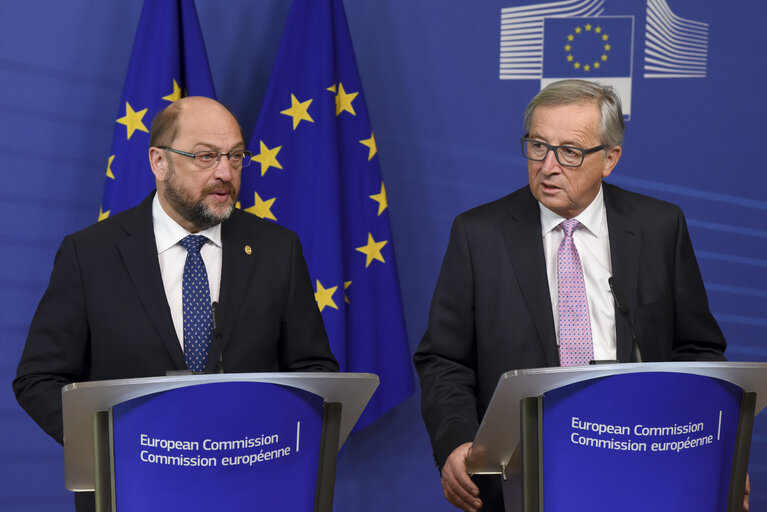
(656, 436)
(201, 442)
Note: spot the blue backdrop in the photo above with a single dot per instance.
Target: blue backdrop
(447, 117)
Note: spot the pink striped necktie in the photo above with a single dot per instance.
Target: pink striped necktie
(575, 345)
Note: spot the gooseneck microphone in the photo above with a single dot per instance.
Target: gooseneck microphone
(218, 337)
(216, 343)
(623, 309)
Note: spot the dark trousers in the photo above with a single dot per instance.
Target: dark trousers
(490, 492)
(85, 502)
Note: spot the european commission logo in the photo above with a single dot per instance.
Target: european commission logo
(574, 39)
(592, 48)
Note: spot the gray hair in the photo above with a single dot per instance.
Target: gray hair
(568, 92)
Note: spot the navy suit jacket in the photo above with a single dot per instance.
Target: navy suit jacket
(491, 311)
(105, 314)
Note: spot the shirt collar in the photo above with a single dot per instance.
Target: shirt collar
(168, 233)
(590, 218)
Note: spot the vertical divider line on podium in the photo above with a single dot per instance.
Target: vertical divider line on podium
(103, 457)
(742, 448)
(531, 443)
(326, 473)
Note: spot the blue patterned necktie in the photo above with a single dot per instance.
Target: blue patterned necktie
(575, 345)
(198, 320)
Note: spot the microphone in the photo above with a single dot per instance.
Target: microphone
(623, 309)
(218, 337)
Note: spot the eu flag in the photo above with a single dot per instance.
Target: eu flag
(587, 47)
(598, 48)
(316, 172)
(168, 62)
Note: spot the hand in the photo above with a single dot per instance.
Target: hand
(745, 495)
(458, 488)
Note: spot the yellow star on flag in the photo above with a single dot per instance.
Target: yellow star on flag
(103, 214)
(380, 198)
(110, 174)
(347, 284)
(267, 157)
(262, 208)
(344, 100)
(133, 120)
(175, 95)
(370, 143)
(588, 27)
(299, 111)
(372, 250)
(577, 30)
(324, 296)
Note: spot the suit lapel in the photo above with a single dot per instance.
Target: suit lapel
(625, 242)
(237, 266)
(139, 254)
(522, 233)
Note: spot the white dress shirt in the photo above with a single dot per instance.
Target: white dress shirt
(592, 241)
(168, 234)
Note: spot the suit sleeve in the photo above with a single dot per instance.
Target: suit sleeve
(697, 336)
(304, 345)
(56, 350)
(446, 358)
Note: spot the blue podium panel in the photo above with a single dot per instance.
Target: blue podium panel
(222, 446)
(639, 442)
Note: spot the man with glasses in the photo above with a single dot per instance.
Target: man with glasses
(133, 295)
(500, 303)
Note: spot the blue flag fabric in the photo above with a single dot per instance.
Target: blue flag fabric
(168, 62)
(315, 171)
(587, 47)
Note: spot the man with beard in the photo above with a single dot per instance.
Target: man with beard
(117, 304)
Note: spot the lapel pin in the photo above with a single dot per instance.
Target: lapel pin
(248, 250)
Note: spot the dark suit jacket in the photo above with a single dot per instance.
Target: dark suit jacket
(105, 314)
(491, 310)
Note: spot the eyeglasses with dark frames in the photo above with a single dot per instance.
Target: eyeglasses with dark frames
(569, 156)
